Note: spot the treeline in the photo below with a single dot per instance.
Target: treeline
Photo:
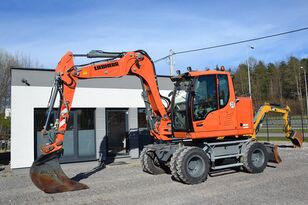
(280, 83)
(7, 61)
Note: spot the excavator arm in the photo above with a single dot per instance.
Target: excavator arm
(295, 137)
(46, 172)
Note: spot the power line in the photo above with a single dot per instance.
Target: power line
(233, 43)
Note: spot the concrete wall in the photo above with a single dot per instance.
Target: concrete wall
(25, 98)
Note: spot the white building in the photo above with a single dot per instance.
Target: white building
(102, 113)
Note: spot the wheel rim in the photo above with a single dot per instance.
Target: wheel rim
(257, 157)
(195, 166)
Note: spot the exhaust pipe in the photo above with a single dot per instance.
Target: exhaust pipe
(47, 175)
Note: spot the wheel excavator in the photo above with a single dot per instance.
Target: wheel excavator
(203, 123)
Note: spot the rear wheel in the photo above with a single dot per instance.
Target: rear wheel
(142, 155)
(174, 158)
(193, 165)
(255, 157)
(150, 162)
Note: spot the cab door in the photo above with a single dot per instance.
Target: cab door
(205, 112)
(226, 101)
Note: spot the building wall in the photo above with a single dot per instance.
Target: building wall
(92, 95)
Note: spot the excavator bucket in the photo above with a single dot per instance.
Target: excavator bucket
(296, 139)
(47, 174)
(272, 151)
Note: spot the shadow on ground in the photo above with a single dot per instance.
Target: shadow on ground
(101, 166)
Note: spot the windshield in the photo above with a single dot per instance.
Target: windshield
(180, 105)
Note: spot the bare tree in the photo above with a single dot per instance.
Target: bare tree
(6, 62)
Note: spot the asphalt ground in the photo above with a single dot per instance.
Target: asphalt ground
(123, 182)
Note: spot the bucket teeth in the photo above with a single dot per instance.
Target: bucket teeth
(47, 174)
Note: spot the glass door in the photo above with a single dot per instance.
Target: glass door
(117, 128)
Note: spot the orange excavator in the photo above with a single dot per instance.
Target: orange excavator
(203, 123)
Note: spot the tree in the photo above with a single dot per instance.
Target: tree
(281, 82)
(7, 61)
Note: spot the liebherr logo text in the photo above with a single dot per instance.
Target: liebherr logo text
(104, 66)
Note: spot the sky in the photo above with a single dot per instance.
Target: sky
(46, 30)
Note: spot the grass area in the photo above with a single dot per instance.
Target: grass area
(278, 130)
(295, 117)
(277, 139)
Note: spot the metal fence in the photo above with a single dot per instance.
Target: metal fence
(273, 127)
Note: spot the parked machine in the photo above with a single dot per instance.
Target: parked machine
(203, 124)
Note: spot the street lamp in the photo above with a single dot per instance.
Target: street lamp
(249, 84)
(171, 61)
(305, 78)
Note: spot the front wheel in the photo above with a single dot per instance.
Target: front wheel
(255, 157)
(193, 165)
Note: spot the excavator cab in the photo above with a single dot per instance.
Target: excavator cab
(204, 106)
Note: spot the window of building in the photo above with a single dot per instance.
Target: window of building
(142, 122)
(79, 142)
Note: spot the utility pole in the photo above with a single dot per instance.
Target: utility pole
(249, 84)
(171, 62)
(305, 78)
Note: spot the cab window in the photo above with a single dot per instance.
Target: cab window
(205, 96)
(223, 90)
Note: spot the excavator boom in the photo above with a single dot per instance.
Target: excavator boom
(46, 172)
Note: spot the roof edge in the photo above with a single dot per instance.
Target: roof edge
(49, 70)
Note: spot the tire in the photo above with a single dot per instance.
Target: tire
(142, 155)
(255, 157)
(193, 165)
(150, 163)
(173, 164)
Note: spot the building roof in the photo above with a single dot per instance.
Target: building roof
(44, 78)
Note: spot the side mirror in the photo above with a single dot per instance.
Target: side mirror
(237, 100)
(170, 94)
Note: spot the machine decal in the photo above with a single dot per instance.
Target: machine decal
(104, 66)
(62, 122)
(232, 104)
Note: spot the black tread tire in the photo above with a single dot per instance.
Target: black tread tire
(142, 155)
(182, 163)
(247, 157)
(173, 161)
(148, 164)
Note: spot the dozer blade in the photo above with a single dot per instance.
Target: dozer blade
(47, 174)
(296, 139)
(272, 151)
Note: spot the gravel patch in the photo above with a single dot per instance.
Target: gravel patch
(125, 183)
